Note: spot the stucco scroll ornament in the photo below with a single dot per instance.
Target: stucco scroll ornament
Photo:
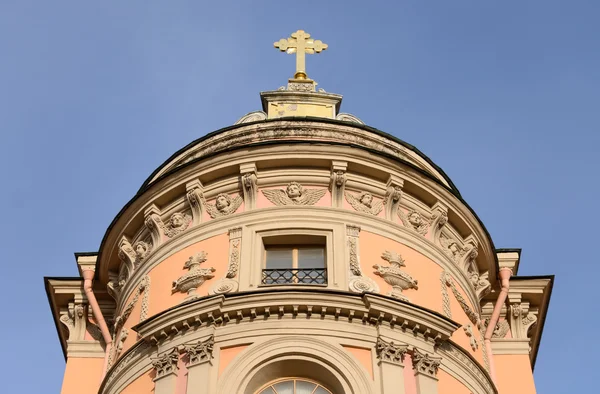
(74, 319)
(178, 223)
(414, 220)
(250, 189)
(358, 283)
(389, 351)
(224, 205)
(363, 202)
(393, 195)
(394, 276)
(255, 116)
(500, 330)
(349, 118)
(195, 278)
(425, 364)
(228, 284)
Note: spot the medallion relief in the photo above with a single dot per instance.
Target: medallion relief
(294, 194)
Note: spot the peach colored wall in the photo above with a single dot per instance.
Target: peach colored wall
(447, 384)
(170, 269)
(227, 354)
(163, 275)
(410, 382)
(262, 202)
(82, 375)
(427, 273)
(142, 385)
(418, 266)
(460, 336)
(514, 374)
(363, 356)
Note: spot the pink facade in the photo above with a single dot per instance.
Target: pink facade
(286, 251)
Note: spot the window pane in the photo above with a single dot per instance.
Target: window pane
(321, 390)
(304, 387)
(279, 259)
(268, 390)
(285, 387)
(311, 258)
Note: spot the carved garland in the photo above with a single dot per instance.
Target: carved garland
(445, 296)
(143, 287)
(472, 315)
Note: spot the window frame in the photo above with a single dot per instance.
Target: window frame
(269, 238)
(295, 248)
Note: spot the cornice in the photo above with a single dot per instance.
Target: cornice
(282, 124)
(346, 306)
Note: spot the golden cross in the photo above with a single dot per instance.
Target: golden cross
(300, 43)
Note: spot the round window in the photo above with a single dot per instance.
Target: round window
(293, 386)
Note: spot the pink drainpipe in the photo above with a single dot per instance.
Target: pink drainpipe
(505, 274)
(88, 276)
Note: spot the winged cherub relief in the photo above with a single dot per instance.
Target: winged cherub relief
(414, 220)
(294, 194)
(224, 205)
(364, 203)
(178, 223)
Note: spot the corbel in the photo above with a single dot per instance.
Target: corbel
(154, 224)
(338, 183)
(438, 221)
(249, 181)
(393, 195)
(195, 197)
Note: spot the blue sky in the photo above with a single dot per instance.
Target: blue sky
(502, 95)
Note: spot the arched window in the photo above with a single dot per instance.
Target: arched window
(293, 386)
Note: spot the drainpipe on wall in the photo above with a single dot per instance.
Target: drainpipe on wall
(505, 274)
(88, 276)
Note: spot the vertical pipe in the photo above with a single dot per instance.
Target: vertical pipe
(88, 276)
(505, 274)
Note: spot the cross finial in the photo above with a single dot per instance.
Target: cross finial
(300, 43)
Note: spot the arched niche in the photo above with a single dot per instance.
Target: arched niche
(294, 356)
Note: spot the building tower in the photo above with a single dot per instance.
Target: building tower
(298, 251)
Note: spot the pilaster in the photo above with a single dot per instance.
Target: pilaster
(391, 367)
(166, 372)
(199, 366)
(426, 367)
